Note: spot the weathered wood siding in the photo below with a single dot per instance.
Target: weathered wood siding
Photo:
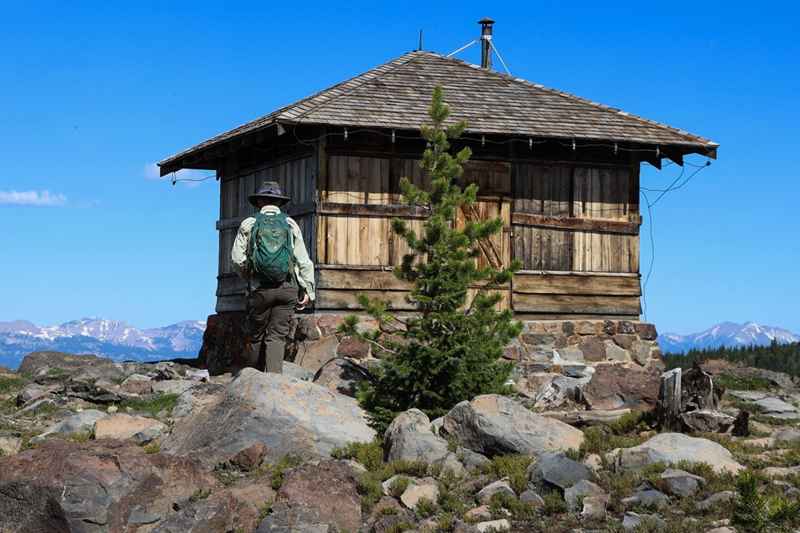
(296, 176)
(573, 226)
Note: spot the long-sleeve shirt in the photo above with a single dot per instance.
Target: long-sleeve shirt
(303, 267)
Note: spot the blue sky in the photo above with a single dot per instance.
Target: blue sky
(93, 93)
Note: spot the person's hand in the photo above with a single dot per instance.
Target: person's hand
(303, 303)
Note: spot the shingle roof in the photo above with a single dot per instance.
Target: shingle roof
(397, 94)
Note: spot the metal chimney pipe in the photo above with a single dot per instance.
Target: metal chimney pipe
(486, 45)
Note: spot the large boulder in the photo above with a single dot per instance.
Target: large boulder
(409, 437)
(616, 386)
(672, 448)
(93, 487)
(494, 425)
(288, 415)
(323, 494)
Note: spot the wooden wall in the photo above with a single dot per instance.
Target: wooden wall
(296, 176)
(573, 225)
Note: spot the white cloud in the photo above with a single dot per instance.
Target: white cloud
(152, 172)
(34, 198)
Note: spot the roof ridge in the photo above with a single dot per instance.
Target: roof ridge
(366, 77)
(572, 96)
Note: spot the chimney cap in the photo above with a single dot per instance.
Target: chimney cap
(486, 20)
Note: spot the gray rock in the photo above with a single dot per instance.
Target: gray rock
(173, 386)
(581, 490)
(500, 486)
(777, 408)
(716, 499)
(450, 463)
(297, 371)
(79, 422)
(417, 490)
(532, 498)
(492, 424)
(646, 496)
(147, 435)
(284, 413)
(707, 421)
(31, 392)
(471, 459)
(615, 353)
(557, 470)
(341, 375)
(494, 525)
(409, 437)
(631, 521)
(672, 448)
(681, 483)
(594, 507)
(790, 435)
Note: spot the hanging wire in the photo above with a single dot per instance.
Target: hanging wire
(496, 51)
(454, 52)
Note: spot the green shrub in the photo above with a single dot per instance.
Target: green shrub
(425, 507)
(369, 454)
(199, 494)
(513, 466)
(553, 503)
(398, 486)
(370, 489)
(9, 384)
(152, 448)
(152, 405)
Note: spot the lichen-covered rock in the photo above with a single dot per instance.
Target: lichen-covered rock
(707, 421)
(409, 437)
(492, 425)
(501, 486)
(93, 486)
(324, 494)
(341, 375)
(289, 416)
(418, 489)
(680, 482)
(620, 386)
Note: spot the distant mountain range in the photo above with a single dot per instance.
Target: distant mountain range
(727, 334)
(110, 338)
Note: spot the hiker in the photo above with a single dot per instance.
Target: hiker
(269, 254)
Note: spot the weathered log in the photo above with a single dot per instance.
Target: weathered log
(587, 418)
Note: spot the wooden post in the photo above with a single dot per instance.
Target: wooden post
(669, 399)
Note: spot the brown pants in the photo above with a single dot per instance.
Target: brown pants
(269, 312)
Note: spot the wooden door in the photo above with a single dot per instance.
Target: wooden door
(494, 201)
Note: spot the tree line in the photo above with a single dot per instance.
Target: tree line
(775, 356)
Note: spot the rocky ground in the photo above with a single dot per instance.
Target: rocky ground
(91, 445)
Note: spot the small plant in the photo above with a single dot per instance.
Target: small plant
(152, 448)
(11, 384)
(519, 510)
(425, 507)
(264, 511)
(398, 486)
(199, 494)
(152, 405)
(370, 489)
(278, 471)
(80, 436)
(553, 503)
(368, 454)
(514, 467)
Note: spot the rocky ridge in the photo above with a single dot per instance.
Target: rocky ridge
(90, 444)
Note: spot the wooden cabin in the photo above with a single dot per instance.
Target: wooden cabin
(562, 172)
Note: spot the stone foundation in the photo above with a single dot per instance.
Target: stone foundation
(542, 346)
(558, 364)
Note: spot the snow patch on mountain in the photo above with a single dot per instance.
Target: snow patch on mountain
(110, 338)
(728, 334)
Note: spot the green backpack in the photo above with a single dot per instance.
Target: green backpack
(270, 251)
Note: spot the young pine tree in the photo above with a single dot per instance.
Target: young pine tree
(450, 349)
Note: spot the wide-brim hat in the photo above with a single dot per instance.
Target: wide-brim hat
(271, 190)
